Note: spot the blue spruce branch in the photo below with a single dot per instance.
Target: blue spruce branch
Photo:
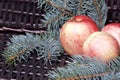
(57, 12)
(20, 47)
(87, 68)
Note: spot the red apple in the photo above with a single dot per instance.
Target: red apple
(74, 33)
(114, 30)
(102, 46)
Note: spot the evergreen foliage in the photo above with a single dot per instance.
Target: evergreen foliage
(56, 12)
(86, 68)
(20, 47)
(50, 48)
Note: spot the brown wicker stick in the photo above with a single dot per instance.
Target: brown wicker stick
(21, 30)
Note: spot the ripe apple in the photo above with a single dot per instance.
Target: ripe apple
(74, 33)
(101, 45)
(114, 30)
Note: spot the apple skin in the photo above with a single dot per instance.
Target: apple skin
(81, 17)
(74, 33)
(114, 30)
(101, 45)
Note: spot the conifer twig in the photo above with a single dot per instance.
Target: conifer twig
(98, 12)
(59, 8)
(46, 45)
(54, 19)
(21, 52)
(84, 77)
(21, 30)
(79, 8)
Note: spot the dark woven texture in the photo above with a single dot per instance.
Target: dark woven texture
(114, 11)
(23, 14)
(19, 14)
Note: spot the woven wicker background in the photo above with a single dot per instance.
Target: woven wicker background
(24, 14)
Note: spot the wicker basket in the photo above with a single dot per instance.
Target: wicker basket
(23, 14)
